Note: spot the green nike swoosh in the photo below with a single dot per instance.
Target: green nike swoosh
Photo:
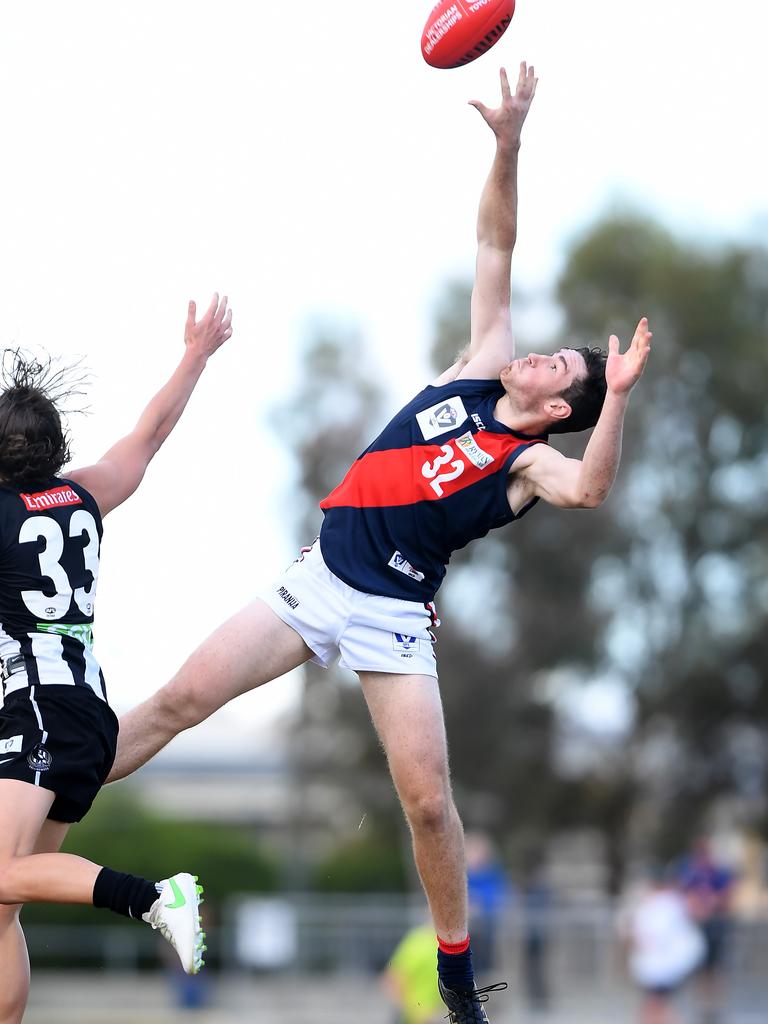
(180, 897)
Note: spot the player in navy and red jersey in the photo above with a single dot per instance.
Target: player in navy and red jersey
(58, 734)
(467, 455)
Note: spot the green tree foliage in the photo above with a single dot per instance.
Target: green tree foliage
(123, 835)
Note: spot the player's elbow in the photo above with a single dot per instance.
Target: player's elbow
(590, 499)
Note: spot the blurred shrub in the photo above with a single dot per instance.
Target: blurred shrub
(120, 833)
(366, 864)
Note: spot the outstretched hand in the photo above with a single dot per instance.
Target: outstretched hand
(506, 121)
(623, 371)
(204, 336)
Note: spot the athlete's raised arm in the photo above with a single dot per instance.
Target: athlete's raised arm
(492, 344)
(119, 472)
(584, 483)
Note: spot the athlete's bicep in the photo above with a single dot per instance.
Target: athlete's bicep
(117, 475)
(551, 476)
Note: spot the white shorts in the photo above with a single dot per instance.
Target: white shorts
(366, 632)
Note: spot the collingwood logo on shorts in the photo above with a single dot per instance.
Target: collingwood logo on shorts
(401, 563)
(289, 599)
(473, 451)
(39, 758)
(441, 417)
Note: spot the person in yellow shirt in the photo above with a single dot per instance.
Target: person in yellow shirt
(411, 980)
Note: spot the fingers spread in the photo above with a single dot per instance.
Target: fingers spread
(613, 345)
(481, 107)
(505, 89)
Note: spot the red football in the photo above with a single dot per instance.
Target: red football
(460, 31)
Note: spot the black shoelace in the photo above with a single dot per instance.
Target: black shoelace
(478, 995)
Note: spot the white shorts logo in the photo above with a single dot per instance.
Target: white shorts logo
(401, 563)
(473, 451)
(11, 746)
(441, 417)
(403, 644)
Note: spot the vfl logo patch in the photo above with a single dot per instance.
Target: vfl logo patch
(473, 451)
(39, 758)
(401, 563)
(289, 599)
(12, 745)
(442, 417)
(57, 496)
(405, 644)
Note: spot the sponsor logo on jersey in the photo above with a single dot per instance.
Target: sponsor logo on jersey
(80, 631)
(478, 422)
(473, 451)
(290, 600)
(405, 644)
(401, 563)
(39, 758)
(12, 745)
(442, 417)
(41, 501)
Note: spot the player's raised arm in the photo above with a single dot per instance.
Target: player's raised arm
(119, 472)
(492, 342)
(585, 483)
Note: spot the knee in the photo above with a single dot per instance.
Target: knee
(430, 810)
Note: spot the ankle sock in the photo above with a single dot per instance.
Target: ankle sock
(124, 894)
(454, 965)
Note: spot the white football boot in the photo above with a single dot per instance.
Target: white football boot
(176, 915)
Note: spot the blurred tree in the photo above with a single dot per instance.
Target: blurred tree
(683, 593)
(330, 419)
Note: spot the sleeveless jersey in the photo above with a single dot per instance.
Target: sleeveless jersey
(50, 538)
(432, 481)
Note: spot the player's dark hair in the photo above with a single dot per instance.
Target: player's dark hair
(34, 445)
(585, 395)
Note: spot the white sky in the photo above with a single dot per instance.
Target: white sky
(305, 160)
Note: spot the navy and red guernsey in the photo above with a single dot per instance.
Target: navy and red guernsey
(432, 481)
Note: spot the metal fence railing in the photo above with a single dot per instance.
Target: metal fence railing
(354, 934)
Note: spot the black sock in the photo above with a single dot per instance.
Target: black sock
(455, 969)
(125, 894)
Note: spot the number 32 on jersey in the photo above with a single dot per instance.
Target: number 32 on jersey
(450, 464)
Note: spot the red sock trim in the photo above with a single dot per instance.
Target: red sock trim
(453, 947)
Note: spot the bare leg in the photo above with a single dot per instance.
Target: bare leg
(27, 876)
(657, 1009)
(253, 647)
(25, 832)
(408, 716)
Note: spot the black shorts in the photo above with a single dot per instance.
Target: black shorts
(62, 738)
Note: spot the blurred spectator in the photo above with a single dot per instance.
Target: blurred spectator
(664, 948)
(708, 887)
(411, 978)
(489, 892)
(536, 899)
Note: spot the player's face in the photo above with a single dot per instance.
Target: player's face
(538, 377)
